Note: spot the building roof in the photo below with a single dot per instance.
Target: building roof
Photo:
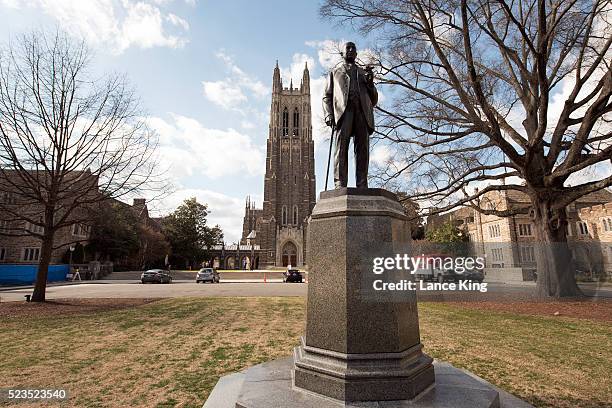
(598, 197)
(518, 197)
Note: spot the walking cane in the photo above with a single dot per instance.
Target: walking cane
(331, 142)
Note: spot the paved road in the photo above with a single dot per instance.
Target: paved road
(113, 289)
(133, 289)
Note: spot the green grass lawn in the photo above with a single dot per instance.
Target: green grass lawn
(172, 352)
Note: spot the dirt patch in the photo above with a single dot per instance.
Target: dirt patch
(600, 310)
(510, 296)
(68, 307)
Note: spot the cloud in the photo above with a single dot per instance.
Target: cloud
(380, 155)
(114, 24)
(190, 148)
(177, 21)
(231, 92)
(255, 86)
(595, 172)
(165, 2)
(143, 26)
(328, 52)
(247, 124)
(225, 93)
(224, 210)
(10, 3)
(296, 70)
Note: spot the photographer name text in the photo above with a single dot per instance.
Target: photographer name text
(446, 273)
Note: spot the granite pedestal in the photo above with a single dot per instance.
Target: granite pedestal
(360, 349)
(356, 347)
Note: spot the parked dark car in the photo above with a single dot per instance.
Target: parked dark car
(292, 275)
(156, 276)
(450, 275)
(433, 271)
(208, 275)
(476, 275)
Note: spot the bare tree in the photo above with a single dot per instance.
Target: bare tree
(68, 141)
(485, 91)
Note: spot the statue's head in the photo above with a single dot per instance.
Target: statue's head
(350, 52)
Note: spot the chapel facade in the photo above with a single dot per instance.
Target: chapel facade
(279, 226)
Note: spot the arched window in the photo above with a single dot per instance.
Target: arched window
(295, 215)
(284, 215)
(285, 122)
(296, 122)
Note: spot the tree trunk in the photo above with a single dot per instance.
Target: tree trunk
(46, 250)
(556, 269)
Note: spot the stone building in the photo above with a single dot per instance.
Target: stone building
(510, 243)
(26, 249)
(278, 229)
(593, 230)
(18, 246)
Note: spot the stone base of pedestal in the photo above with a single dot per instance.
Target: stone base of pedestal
(362, 377)
(269, 385)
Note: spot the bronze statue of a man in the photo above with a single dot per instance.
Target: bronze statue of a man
(348, 103)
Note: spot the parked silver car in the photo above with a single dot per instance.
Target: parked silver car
(207, 275)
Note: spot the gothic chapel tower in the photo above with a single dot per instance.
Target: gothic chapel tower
(289, 186)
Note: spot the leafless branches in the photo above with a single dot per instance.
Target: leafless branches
(66, 141)
(487, 92)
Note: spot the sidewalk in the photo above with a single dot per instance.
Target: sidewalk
(510, 283)
(596, 284)
(49, 284)
(131, 282)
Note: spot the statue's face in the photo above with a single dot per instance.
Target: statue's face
(350, 52)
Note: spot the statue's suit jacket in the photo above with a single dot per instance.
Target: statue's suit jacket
(336, 95)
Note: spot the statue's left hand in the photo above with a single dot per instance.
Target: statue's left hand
(369, 75)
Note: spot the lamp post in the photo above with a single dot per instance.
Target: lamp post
(72, 247)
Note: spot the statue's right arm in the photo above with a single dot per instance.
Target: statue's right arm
(328, 100)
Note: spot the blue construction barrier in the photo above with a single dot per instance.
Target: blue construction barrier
(15, 274)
